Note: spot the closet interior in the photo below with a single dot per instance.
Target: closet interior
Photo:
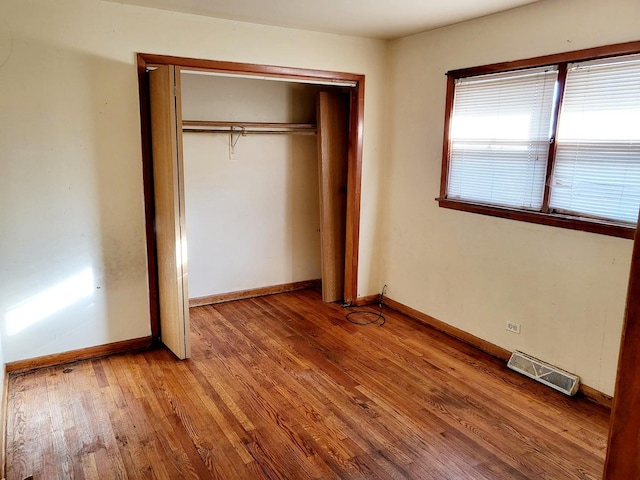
(264, 169)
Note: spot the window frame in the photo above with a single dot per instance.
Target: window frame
(543, 217)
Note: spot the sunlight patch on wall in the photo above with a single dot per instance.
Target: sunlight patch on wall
(50, 301)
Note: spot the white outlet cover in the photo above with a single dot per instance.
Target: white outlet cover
(513, 327)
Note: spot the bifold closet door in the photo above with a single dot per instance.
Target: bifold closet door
(333, 152)
(170, 231)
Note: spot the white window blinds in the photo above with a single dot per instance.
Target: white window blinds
(597, 168)
(499, 137)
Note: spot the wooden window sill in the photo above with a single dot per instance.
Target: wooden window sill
(553, 219)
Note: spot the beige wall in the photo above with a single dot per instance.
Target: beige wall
(252, 218)
(71, 184)
(566, 288)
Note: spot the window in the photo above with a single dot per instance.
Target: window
(552, 140)
(499, 138)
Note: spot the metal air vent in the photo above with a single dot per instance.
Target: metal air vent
(549, 375)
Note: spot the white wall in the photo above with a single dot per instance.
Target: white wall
(566, 288)
(73, 242)
(253, 218)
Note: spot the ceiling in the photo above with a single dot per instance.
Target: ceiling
(384, 19)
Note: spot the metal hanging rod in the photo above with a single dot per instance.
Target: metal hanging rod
(235, 130)
(244, 128)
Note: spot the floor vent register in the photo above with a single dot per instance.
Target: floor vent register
(549, 375)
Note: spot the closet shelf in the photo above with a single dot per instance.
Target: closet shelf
(244, 128)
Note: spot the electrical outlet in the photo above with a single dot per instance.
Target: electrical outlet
(513, 327)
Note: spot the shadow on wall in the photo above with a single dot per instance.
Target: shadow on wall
(303, 208)
(302, 183)
(73, 255)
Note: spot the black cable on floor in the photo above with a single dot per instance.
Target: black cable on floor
(352, 317)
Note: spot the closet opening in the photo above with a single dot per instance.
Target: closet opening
(261, 165)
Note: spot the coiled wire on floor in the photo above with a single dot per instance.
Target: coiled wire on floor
(368, 317)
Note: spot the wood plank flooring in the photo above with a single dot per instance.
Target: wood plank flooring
(282, 387)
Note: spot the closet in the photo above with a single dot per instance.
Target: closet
(250, 149)
(256, 184)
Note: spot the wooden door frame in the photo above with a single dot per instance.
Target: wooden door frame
(624, 424)
(356, 128)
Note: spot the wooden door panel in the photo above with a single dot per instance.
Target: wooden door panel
(170, 231)
(333, 151)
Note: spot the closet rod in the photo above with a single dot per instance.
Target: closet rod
(248, 132)
(204, 126)
(209, 123)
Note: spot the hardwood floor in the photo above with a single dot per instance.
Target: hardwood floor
(282, 387)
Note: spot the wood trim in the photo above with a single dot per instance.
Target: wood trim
(124, 346)
(249, 68)
(553, 145)
(477, 342)
(583, 224)
(596, 396)
(446, 144)
(482, 345)
(253, 292)
(624, 431)
(627, 48)
(366, 300)
(356, 130)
